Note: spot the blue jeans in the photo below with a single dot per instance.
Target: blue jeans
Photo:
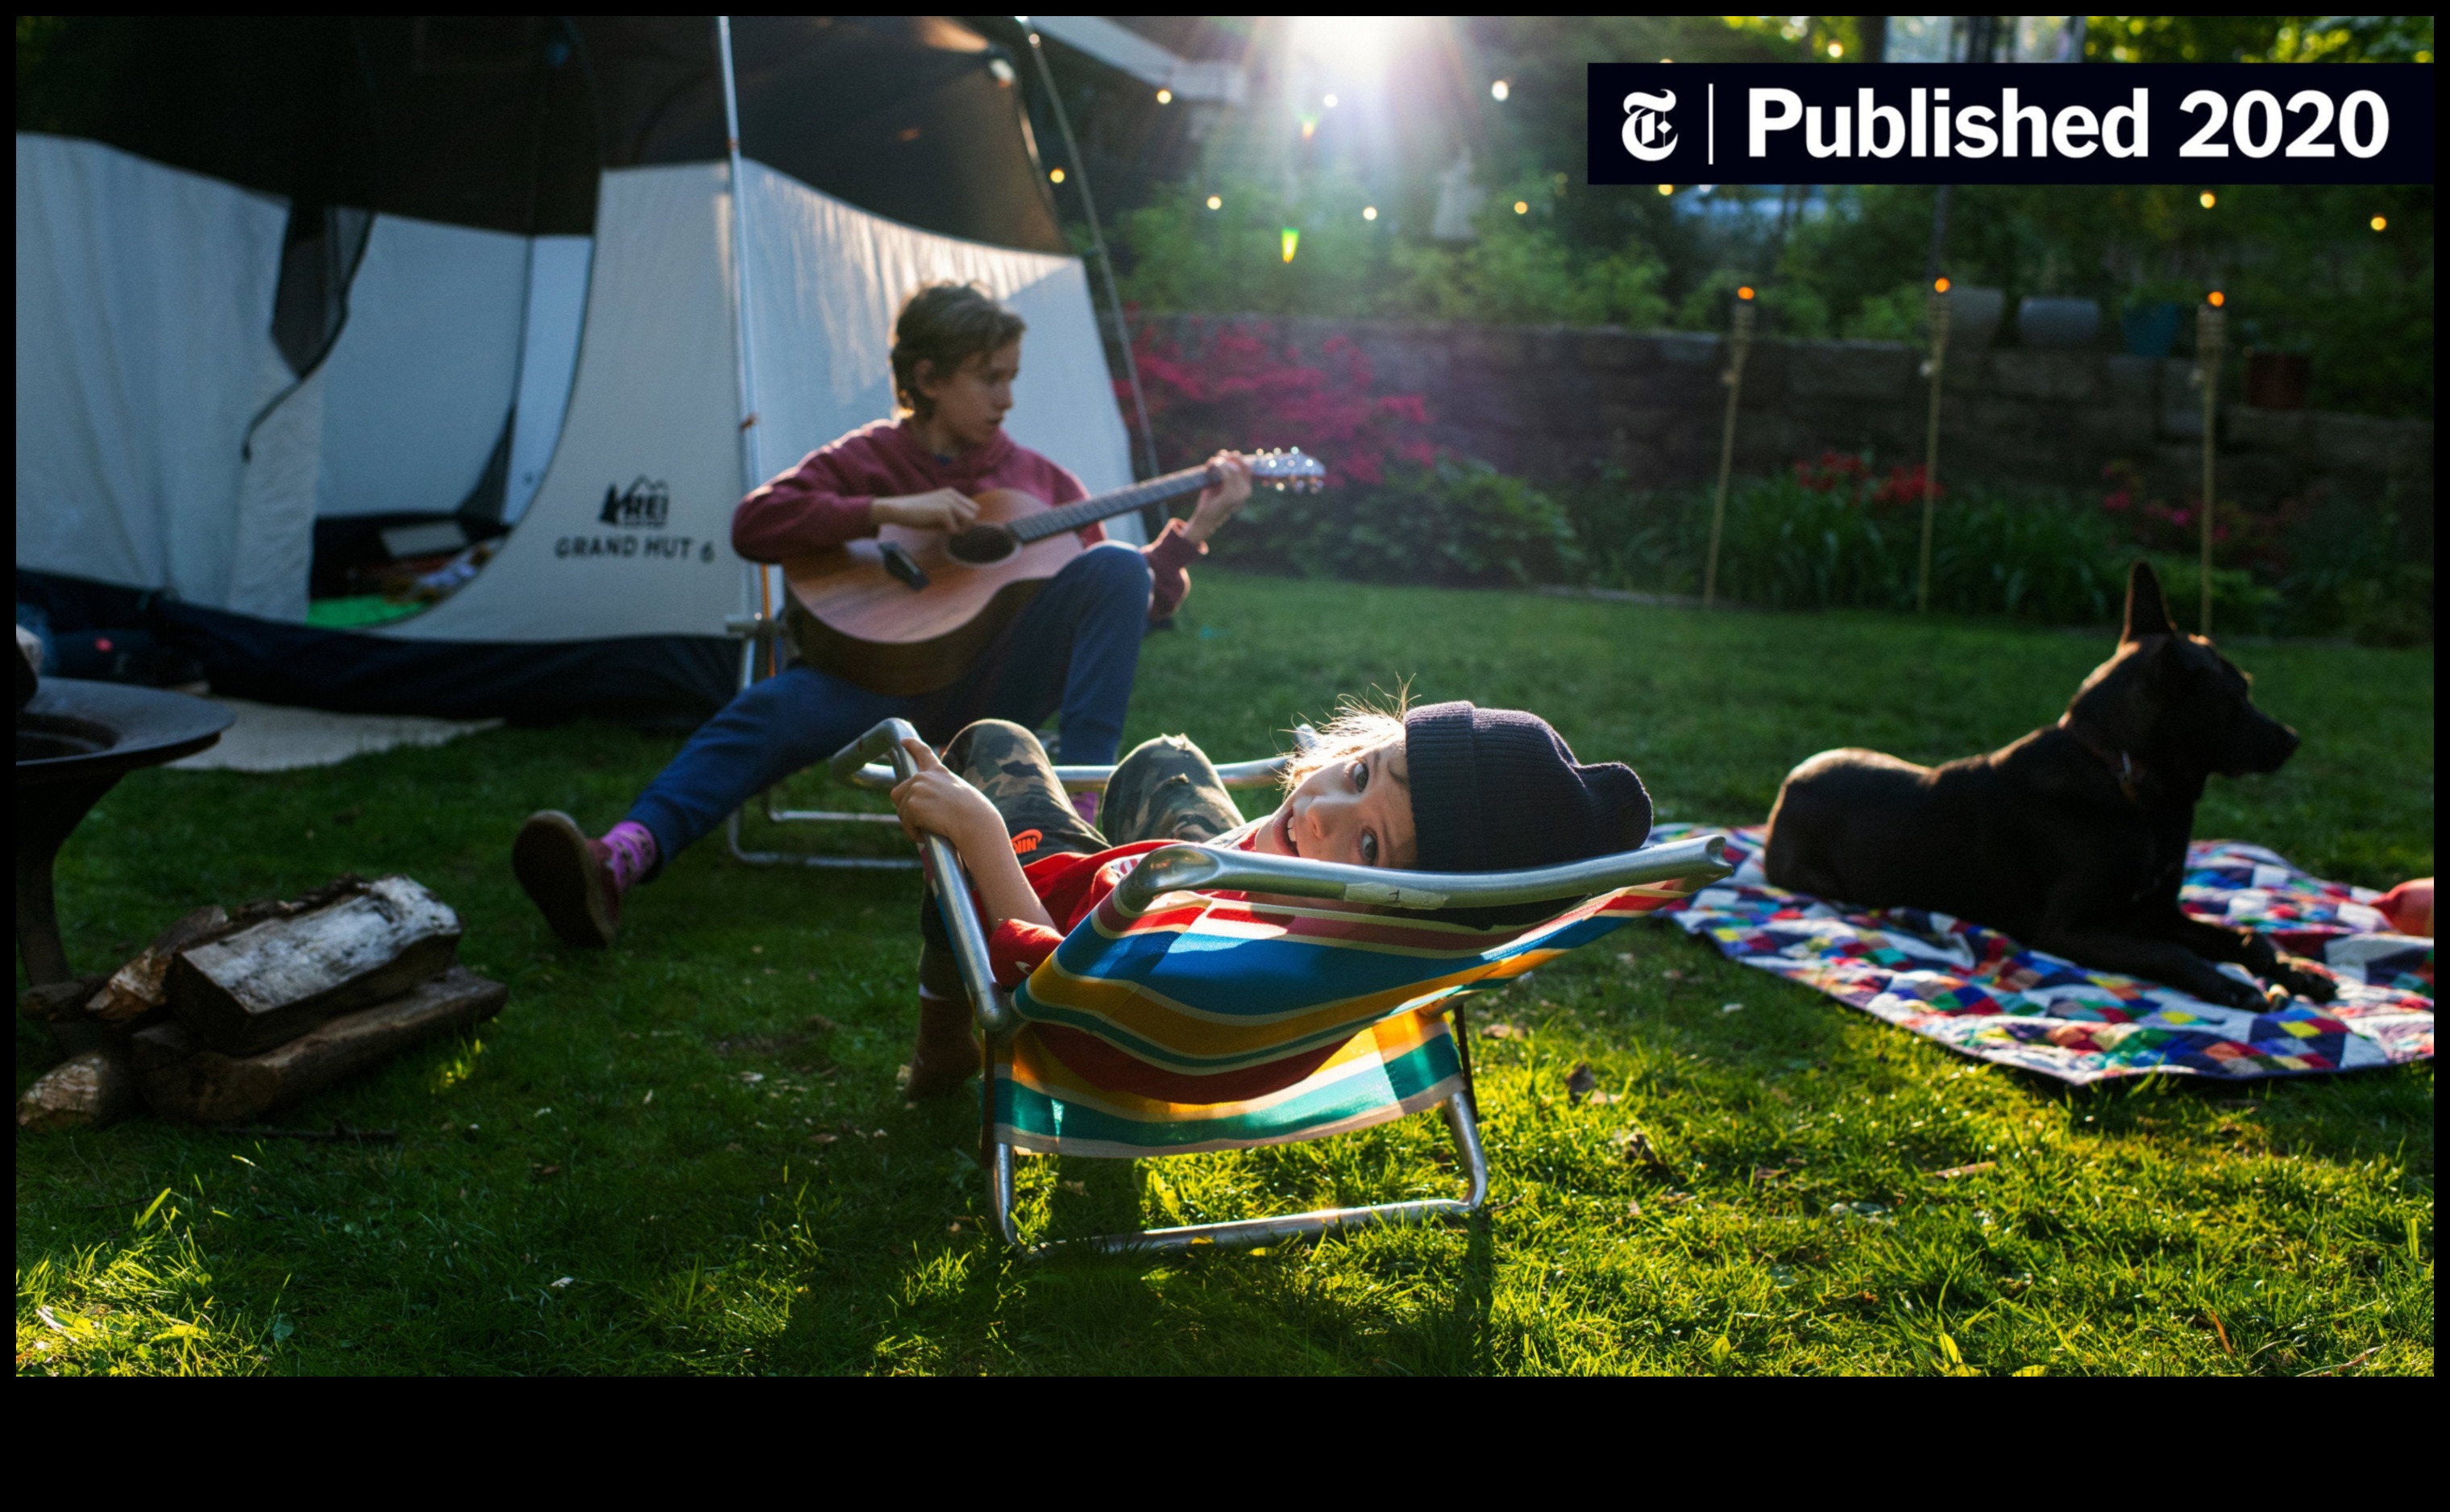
(1075, 648)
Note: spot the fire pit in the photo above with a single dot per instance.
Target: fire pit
(75, 740)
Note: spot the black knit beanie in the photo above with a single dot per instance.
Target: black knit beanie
(1496, 789)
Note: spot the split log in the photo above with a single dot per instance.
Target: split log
(208, 1087)
(143, 984)
(275, 981)
(59, 1001)
(78, 1093)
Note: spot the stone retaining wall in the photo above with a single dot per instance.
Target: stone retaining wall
(1547, 402)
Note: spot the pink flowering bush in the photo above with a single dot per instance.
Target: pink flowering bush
(1247, 392)
(1395, 509)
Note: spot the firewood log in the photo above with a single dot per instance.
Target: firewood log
(58, 1001)
(204, 1086)
(275, 981)
(78, 1093)
(143, 983)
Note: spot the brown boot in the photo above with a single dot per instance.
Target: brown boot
(565, 875)
(946, 1055)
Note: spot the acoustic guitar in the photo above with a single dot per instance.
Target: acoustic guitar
(910, 611)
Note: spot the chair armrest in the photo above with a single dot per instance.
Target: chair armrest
(876, 777)
(1177, 868)
(961, 921)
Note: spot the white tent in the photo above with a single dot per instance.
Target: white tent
(164, 443)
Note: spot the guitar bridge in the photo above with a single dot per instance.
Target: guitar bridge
(903, 568)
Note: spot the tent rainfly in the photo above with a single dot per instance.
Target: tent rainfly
(299, 297)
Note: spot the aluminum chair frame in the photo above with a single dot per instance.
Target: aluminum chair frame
(1183, 867)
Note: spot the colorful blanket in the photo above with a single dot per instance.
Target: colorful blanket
(1978, 991)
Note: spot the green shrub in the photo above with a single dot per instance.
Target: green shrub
(1453, 522)
(1789, 544)
(2347, 566)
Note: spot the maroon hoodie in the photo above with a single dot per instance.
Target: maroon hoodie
(823, 501)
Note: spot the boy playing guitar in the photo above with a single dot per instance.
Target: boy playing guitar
(1075, 648)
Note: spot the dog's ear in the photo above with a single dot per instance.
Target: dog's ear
(2146, 614)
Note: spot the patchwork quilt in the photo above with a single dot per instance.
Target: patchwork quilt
(1976, 990)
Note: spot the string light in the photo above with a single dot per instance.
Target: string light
(2380, 223)
(1215, 202)
(2207, 198)
(1939, 285)
(1836, 50)
(1667, 189)
(1331, 101)
(2215, 299)
(1522, 207)
(1370, 212)
(1165, 97)
(1056, 174)
(1499, 90)
(1291, 240)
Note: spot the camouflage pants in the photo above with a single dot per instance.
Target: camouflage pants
(1165, 790)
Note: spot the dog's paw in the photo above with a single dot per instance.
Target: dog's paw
(2305, 978)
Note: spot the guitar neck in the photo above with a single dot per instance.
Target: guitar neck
(1106, 506)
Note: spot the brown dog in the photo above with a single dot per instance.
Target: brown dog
(2073, 840)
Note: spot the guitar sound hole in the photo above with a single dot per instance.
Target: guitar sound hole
(981, 546)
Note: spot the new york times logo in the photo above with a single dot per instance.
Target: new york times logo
(1648, 134)
(1679, 125)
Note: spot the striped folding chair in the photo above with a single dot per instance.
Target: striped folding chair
(1222, 1000)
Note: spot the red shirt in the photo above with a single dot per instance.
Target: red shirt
(1072, 887)
(823, 501)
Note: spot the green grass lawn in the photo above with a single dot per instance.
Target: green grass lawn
(687, 1155)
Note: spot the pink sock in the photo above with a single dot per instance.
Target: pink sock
(629, 853)
(1085, 805)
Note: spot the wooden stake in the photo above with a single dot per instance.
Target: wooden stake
(2212, 334)
(1935, 314)
(1733, 377)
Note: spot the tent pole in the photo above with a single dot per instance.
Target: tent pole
(752, 470)
(1098, 239)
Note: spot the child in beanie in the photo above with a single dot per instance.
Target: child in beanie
(1443, 787)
